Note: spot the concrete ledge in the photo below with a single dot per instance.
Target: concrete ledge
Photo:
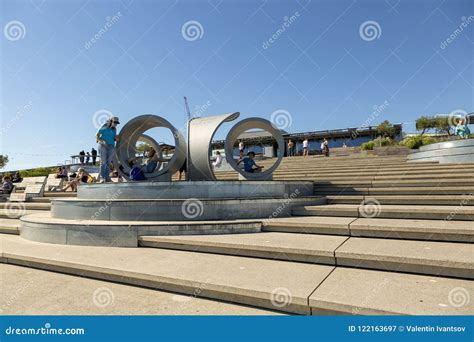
(353, 291)
(191, 209)
(421, 257)
(43, 228)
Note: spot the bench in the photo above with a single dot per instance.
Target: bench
(34, 190)
(17, 197)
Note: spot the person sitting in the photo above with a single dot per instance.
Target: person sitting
(136, 173)
(462, 130)
(218, 161)
(152, 160)
(17, 177)
(83, 177)
(249, 163)
(7, 185)
(61, 172)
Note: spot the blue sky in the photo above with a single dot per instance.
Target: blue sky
(323, 71)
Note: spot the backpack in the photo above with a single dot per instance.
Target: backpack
(136, 174)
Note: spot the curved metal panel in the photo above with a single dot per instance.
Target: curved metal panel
(240, 128)
(200, 133)
(133, 131)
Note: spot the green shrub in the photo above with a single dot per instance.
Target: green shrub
(40, 171)
(367, 146)
(416, 141)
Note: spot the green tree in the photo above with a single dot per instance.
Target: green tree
(425, 123)
(386, 129)
(443, 126)
(3, 160)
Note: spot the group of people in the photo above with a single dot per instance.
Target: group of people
(85, 157)
(291, 148)
(462, 130)
(8, 182)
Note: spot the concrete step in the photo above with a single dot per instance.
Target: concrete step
(426, 199)
(339, 190)
(26, 205)
(428, 212)
(317, 249)
(60, 194)
(9, 226)
(435, 230)
(15, 212)
(82, 296)
(277, 285)
(352, 291)
(420, 257)
(249, 281)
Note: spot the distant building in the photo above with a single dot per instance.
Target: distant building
(262, 142)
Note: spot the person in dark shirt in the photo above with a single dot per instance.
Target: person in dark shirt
(94, 155)
(249, 163)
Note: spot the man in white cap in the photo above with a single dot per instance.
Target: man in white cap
(106, 137)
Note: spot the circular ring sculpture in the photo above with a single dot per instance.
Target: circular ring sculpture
(133, 131)
(240, 128)
(201, 131)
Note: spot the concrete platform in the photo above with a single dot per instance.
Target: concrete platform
(10, 226)
(43, 228)
(318, 249)
(28, 291)
(420, 257)
(195, 189)
(276, 285)
(351, 291)
(190, 209)
(419, 199)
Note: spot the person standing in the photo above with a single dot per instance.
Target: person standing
(81, 157)
(326, 147)
(106, 138)
(88, 157)
(291, 147)
(94, 155)
(241, 149)
(305, 147)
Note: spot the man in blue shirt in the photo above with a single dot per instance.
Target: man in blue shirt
(106, 137)
(249, 163)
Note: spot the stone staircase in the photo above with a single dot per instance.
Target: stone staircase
(394, 238)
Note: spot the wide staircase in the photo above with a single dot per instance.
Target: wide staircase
(393, 238)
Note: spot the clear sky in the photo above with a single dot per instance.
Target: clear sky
(317, 64)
